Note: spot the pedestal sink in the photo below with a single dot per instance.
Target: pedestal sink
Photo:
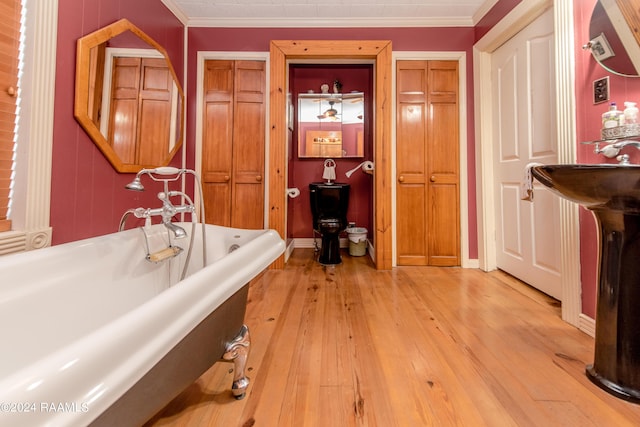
(612, 193)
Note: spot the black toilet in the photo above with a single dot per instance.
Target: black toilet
(329, 204)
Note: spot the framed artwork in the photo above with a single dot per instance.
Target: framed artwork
(600, 48)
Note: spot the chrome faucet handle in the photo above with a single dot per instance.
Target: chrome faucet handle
(623, 159)
(164, 197)
(141, 213)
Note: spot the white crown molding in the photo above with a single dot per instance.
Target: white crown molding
(328, 22)
(177, 11)
(339, 22)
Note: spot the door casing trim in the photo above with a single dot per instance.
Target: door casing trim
(518, 18)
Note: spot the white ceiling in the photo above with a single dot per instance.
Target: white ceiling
(328, 13)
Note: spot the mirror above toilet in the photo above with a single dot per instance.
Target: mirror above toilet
(331, 125)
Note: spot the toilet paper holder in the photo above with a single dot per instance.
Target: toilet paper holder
(366, 166)
(293, 192)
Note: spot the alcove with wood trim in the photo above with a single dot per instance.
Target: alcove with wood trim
(380, 51)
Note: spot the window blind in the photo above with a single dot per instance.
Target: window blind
(10, 11)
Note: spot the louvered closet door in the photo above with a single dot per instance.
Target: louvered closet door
(233, 143)
(427, 159)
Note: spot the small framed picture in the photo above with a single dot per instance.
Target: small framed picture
(600, 48)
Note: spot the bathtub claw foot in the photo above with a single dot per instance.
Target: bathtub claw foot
(237, 352)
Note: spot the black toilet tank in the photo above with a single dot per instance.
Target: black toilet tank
(329, 201)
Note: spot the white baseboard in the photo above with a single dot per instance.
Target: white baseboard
(470, 263)
(371, 250)
(587, 325)
(289, 250)
(308, 242)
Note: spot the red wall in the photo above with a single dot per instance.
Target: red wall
(87, 194)
(588, 118)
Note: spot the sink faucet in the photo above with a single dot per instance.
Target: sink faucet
(613, 150)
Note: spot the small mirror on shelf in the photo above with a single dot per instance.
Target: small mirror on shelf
(331, 125)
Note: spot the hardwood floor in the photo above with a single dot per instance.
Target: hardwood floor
(414, 346)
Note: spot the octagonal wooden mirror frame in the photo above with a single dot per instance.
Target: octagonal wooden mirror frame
(164, 125)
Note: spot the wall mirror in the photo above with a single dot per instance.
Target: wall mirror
(331, 125)
(128, 98)
(614, 38)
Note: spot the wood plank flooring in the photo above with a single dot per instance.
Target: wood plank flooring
(414, 346)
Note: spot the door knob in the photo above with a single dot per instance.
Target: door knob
(258, 178)
(401, 178)
(433, 178)
(226, 177)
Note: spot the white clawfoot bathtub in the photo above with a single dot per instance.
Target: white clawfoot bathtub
(92, 332)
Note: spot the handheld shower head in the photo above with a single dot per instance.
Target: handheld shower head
(163, 171)
(135, 185)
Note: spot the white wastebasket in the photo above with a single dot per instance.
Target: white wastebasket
(357, 241)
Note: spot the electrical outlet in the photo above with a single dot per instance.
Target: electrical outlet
(601, 90)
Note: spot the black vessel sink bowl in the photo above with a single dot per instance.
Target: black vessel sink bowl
(605, 186)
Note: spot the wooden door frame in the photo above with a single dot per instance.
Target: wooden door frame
(516, 20)
(380, 51)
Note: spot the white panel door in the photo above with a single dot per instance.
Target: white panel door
(527, 234)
